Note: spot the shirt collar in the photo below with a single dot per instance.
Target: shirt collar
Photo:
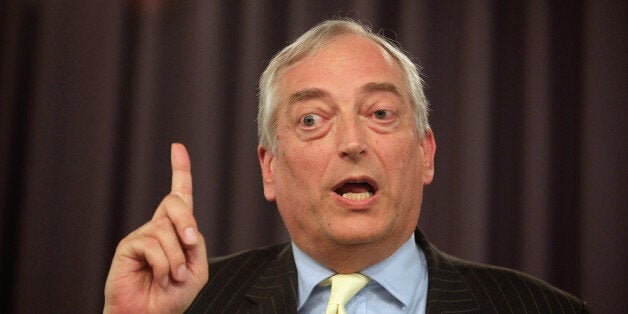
(399, 274)
(309, 273)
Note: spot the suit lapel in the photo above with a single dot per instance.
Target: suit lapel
(275, 290)
(447, 291)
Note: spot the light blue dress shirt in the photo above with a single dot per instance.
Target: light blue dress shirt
(398, 285)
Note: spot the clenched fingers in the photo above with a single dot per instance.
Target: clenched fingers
(163, 231)
(146, 250)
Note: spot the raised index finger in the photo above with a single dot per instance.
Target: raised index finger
(181, 173)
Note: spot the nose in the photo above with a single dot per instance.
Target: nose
(351, 139)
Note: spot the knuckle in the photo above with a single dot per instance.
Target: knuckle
(178, 258)
(122, 245)
(200, 236)
(162, 223)
(128, 240)
(184, 190)
(169, 200)
(174, 202)
(151, 244)
(177, 211)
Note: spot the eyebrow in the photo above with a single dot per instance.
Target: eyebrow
(307, 94)
(382, 87)
(315, 93)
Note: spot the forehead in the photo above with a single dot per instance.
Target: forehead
(345, 64)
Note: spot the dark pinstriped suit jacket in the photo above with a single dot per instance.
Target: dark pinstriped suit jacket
(265, 281)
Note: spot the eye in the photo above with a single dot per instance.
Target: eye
(384, 115)
(310, 120)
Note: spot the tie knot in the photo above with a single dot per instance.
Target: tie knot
(344, 287)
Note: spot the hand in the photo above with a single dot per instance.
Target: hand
(161, 266)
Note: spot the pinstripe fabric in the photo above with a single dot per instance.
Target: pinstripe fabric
(458, 286)
(265, 281)
(258, 281)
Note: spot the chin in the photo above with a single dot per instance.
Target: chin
(356, 234)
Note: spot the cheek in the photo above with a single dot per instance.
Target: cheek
(406, 162)
(306, 154)
(302, 165)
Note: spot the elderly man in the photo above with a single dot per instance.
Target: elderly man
(345, 149)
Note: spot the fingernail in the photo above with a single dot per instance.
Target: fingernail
(164, 282)
(182, 272)
(190, 236)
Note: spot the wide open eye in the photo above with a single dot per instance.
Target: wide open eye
(310, 120)
(384, 115)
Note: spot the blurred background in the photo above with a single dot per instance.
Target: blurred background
(528, 108)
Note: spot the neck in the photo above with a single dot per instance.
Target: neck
(351, 258)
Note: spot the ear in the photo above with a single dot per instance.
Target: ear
(428, 148)
(266, 159)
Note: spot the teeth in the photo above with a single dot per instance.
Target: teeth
(357, 196)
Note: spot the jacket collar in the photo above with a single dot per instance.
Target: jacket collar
(276, 288)
(446, 289)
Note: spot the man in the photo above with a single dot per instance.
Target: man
(345, 150)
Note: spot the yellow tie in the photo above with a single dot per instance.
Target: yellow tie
(343, 288)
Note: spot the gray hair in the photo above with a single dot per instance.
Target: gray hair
(308, 44)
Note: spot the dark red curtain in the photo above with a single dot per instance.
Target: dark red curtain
(529, 109)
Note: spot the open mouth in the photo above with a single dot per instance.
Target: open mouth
(356, 190)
